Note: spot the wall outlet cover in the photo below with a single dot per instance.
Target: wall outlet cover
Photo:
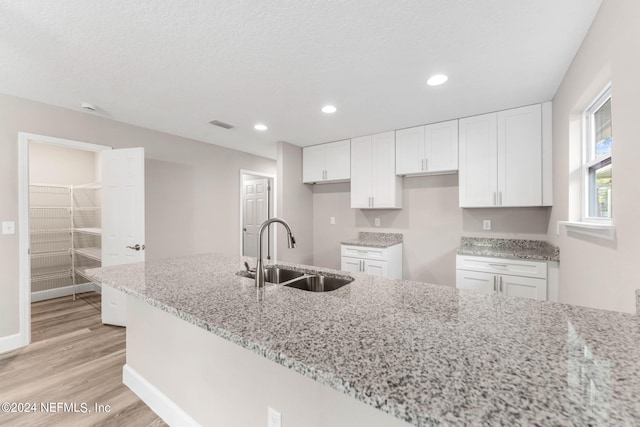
(376, 222)
(274, 418)
(486, 224)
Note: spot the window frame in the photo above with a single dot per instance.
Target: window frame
(590, 160)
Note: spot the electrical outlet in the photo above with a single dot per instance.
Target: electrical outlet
(274, 419)
(332, 220)
(486, 224)
(8, 227)
(376, 222)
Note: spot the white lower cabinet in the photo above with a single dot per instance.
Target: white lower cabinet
(516, 278)
(383, 262)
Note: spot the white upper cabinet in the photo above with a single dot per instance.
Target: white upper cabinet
(429, 149)
(520, 156)
(504, 157)
(478, 176)
(326, 163)
(374, 184)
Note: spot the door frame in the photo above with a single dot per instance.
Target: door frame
(24, 297)
(274, 198)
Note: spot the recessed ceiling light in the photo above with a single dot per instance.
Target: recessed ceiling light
(260, 126)
(436, 80)
(329, 109)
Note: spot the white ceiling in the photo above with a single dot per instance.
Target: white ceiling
(175, 65)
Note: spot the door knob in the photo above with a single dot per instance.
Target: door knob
(136, 247)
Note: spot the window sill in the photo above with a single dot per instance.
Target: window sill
(602, 231)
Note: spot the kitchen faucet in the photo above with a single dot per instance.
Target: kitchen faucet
(291, 244)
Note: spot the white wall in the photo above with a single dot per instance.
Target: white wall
(49, 164)
(192, 188)
(594, 272)
(430, 221)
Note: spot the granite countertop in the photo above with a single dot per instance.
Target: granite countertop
(535, 250)
(375, 240)
(427, 354)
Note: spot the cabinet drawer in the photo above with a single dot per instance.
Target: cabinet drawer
(363, 252)
(514, 267)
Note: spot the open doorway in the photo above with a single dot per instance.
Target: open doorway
(257, 204)
(65, 220)
(69, 196)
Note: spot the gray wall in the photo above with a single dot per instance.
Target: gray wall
(431, 223)
(595, 272)
(192, 188)
(295, 205)
(49, 164)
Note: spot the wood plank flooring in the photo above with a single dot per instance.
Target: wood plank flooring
(73, 358)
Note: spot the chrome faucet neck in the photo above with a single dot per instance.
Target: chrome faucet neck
(259, 263)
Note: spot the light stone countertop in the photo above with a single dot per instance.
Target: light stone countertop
(535, 250)
(375, 240)
(427, 354)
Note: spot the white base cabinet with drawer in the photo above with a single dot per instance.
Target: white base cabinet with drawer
(516, 278)
(383, 262)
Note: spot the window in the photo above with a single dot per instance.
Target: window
(597, 158)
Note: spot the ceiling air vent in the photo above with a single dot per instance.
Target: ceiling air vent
(221, 124)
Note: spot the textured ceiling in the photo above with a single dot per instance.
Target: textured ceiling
(175, 65)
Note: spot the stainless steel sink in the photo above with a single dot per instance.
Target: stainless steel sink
(274, 274)
(319, 283)
(310, 281)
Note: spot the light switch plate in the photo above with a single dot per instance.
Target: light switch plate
(332, 220)
(8, 227)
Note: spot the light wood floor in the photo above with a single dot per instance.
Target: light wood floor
(73, 358)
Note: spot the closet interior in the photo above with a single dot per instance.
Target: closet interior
(64, 220)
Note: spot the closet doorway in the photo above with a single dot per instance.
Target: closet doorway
(71, 194)
(257, 204)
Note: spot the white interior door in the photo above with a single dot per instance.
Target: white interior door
(122, 221)
(256, 211)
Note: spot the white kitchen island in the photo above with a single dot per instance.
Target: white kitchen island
(204, 345)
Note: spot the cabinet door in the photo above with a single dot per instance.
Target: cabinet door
(477, 281)
(376, 268)
(338, 161)
(478, 161)
(441, 147)
(313, 161)
(524, 287)
(520, 156)
(384, 182)
(352, 265)
(361, 172)
(410, 151)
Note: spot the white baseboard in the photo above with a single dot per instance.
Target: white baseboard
(62, 292)
(159, 403)
(10, 342)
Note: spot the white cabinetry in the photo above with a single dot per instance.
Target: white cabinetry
(429, 149)
(374, 184)
(326, 162)
(517, 278)
(505, 158)
(383, 262)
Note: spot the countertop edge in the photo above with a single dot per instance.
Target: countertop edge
(380, 245)
(508, 255)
